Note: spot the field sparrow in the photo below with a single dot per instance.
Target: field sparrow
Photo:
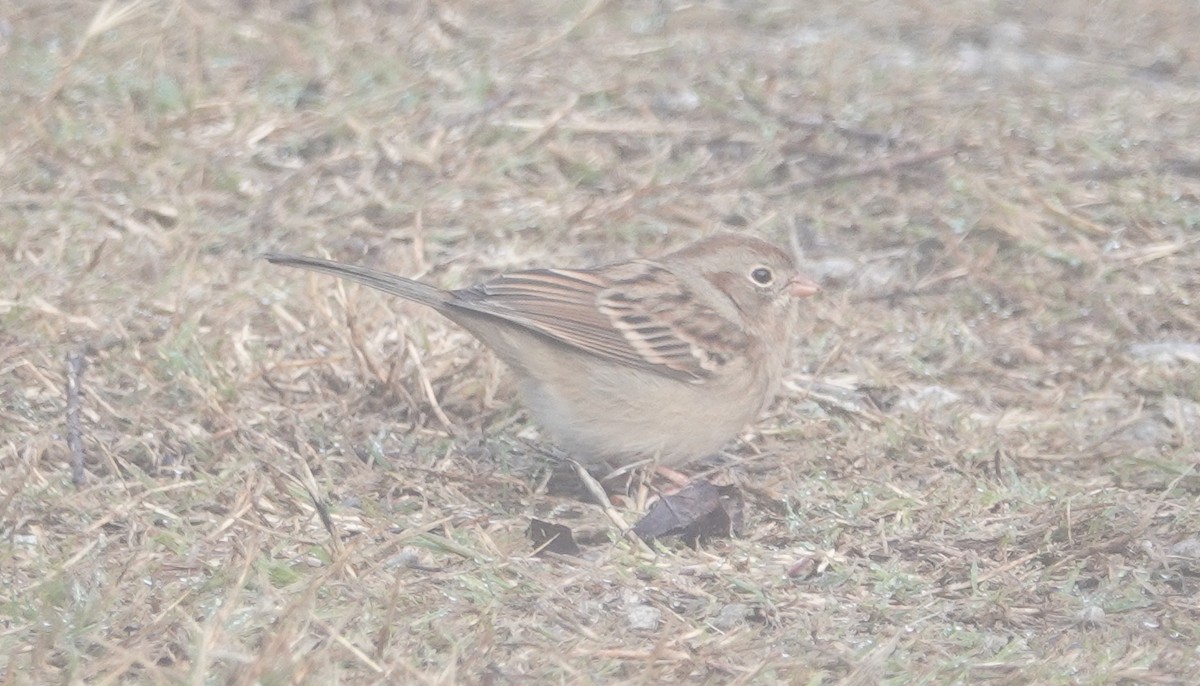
(661, 359)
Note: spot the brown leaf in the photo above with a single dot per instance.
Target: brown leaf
(698, 512)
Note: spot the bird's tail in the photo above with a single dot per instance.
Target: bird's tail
(388, 283)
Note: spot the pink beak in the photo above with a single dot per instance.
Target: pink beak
(802, 287)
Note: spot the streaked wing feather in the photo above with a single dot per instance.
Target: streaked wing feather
(592, 312)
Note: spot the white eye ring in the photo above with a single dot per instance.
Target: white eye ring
(762, 276)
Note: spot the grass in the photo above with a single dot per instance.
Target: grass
(978, 473)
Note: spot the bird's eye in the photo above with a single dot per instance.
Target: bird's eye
(762, 276)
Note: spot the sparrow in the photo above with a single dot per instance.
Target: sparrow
(660, 360)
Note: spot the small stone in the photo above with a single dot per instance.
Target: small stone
(926, 399)
(731, 616)
(1188, 548)
(1167, 352)
(643, 617)
(1091, 615)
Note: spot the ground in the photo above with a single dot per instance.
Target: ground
(982, 467)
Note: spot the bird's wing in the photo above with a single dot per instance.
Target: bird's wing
(636, 313)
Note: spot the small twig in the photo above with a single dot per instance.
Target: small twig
(597, 491)
(631, 654)
(1072, 219)
(981, 578)
(14, 484)
(444, 543)
(430, 395)
(874, 169)
(359, 345)
(551, 123)
(627, 127)
(869, 665)
(830, 396)
(76, 365)
(309, 483)
(588, 12)
(1148, 253)
(106, 18)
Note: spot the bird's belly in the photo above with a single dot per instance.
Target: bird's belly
(624, 415)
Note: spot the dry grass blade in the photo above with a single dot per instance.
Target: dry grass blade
(430, 394)
(596, 490)
(76, 364)
(586, 13)
(108, 17)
